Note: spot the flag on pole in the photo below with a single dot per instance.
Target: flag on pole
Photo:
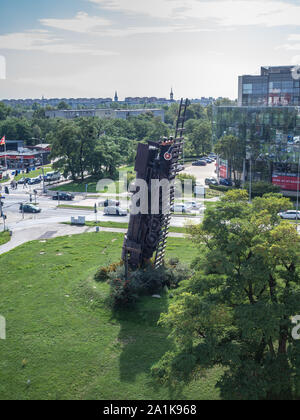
(3, 141)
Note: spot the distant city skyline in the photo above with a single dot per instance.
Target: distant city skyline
(90, 48)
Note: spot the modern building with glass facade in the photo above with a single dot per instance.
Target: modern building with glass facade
(269, 136)
(275, 86)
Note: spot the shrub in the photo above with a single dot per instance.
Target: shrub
(261, 187)
(222, 188)
(103, 274)
(182, 177)
(144, 281)
(122, 292)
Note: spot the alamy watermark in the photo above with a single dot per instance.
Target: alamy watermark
(152, 197)
(296, 330)
(2, 67)
(2, 328)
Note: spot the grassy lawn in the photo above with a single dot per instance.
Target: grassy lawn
(69, 206)
(80, 187)
(34, 174)
(64, 339)
(76, 187)
(4, 238)
(124, 226)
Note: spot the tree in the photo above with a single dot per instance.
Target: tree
(63, 105)
(236, 311)
(66, 148)
(232, 149)
(199, 136)
(4, 111)
(16, 129)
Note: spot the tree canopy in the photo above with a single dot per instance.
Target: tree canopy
(236, 311)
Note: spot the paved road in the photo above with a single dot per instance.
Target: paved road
(51, 215)
(29, 227)
(201, 172)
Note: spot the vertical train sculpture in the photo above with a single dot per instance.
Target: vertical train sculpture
(148, 230)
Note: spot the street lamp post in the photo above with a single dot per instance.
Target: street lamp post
(43, 170)
(250, 183)
(297, 206)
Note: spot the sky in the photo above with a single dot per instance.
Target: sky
(91, 48)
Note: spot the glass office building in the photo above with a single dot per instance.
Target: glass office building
(275, 86)
(270, 136)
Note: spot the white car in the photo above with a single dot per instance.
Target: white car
(180, 208)
(290, 214)
(193, 205)
(115, 211)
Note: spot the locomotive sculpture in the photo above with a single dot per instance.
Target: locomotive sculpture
(155, 163)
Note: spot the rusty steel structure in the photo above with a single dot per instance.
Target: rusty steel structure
(156, 161)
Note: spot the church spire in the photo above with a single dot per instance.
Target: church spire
(116, 97)
(172, 95)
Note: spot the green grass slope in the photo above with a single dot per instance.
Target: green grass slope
(63, 338)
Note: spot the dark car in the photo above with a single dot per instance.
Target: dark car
(23, 181)
(63, 197)
(200, 163)
(211, 181)
(226, 182)
(34, 181)
(29, 208)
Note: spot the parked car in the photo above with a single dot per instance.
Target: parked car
(211, 181)
(180, 168)
(112, 203)
(29, 208)
(208, 160)
(23, 181)
(115, 211)
(192, 205)
(200, 163)
(290, 214)
(63, 196)
(180, 208)
(34, 181)
(226, 182)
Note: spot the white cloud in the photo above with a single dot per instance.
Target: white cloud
(140, 30)
(296, 60)
(291, 47)
(294, 37)
(268, 13)
(82, 23)
(94, 25)
(46, 42)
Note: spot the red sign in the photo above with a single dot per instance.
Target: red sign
(223, 171)
(286, 182)
(13, 157)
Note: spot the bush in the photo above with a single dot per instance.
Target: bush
(182, 177)
(222, 188)
(142, 282)
(261, 187)
(103, 274)
(122, 292)
(131, 176)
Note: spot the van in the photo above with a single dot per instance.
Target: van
(52, 176)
